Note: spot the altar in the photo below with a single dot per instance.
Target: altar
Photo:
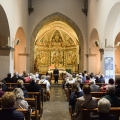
(61, 72)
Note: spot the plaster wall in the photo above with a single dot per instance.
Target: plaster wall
(71, 9)
(17, 15)
(98, 12)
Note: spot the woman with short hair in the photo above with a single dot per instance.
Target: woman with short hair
(8, 111)
(20, 102)
(20, 84)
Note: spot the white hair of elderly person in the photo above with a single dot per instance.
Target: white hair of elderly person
(103, 109)
(94, 87)
(37, 77)
(20, 102)
(44, 81)
(70, 80)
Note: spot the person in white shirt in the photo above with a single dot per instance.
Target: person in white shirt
(44, 81)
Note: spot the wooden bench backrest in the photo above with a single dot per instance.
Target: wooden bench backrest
(26, 112)
(87, 113)
(99, 84)
(98, 94)
(39, 100)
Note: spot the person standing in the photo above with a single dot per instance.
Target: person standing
(56, 74)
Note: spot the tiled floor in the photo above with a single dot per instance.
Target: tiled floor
(57, 107)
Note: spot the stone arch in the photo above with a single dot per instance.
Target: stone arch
(49, 19)
(94, 53)
(110, 26)
(4, 28)
(20, 51)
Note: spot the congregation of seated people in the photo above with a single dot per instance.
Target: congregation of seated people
(19, 92)
(79, 88)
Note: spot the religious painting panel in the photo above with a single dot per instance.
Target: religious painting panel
(41, 59)
(57, 58)
(71, 59)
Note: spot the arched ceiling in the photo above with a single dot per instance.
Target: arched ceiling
(65, 30)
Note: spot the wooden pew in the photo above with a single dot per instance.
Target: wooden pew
(26, 112)
(33, 103)
(87, 113)
(39, 103)
(11, 86)
(98, 94)
(43, 85)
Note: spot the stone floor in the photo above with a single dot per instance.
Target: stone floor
(57, 107)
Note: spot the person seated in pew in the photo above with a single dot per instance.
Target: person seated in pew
(83, 77)
(97, 79)
(87, 79)
(114, 100)
(76, 94)
(86, 101)
(8, 111)
(20, 102)
(4, 86)
(94, 87)
(20, 84)
(110, 82)
(44, 81)
(8, 79)
(103, 109)
(20, 77)
(102, 78)
(14, 77)
(48, 77)
(24, 74)
(33, 86)
(70, 80)
(117, 87)
(1, 91)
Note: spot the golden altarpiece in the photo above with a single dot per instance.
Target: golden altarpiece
(58, 51)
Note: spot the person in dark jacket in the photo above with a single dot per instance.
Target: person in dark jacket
(33, 87)
(20, 77)
(56, 74)
(117, 87)
(76, 94)
(1, 91)
(103, 108)
(114, 100)
(8, 79)
(8, 111)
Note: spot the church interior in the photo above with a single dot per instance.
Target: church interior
(37, 36)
